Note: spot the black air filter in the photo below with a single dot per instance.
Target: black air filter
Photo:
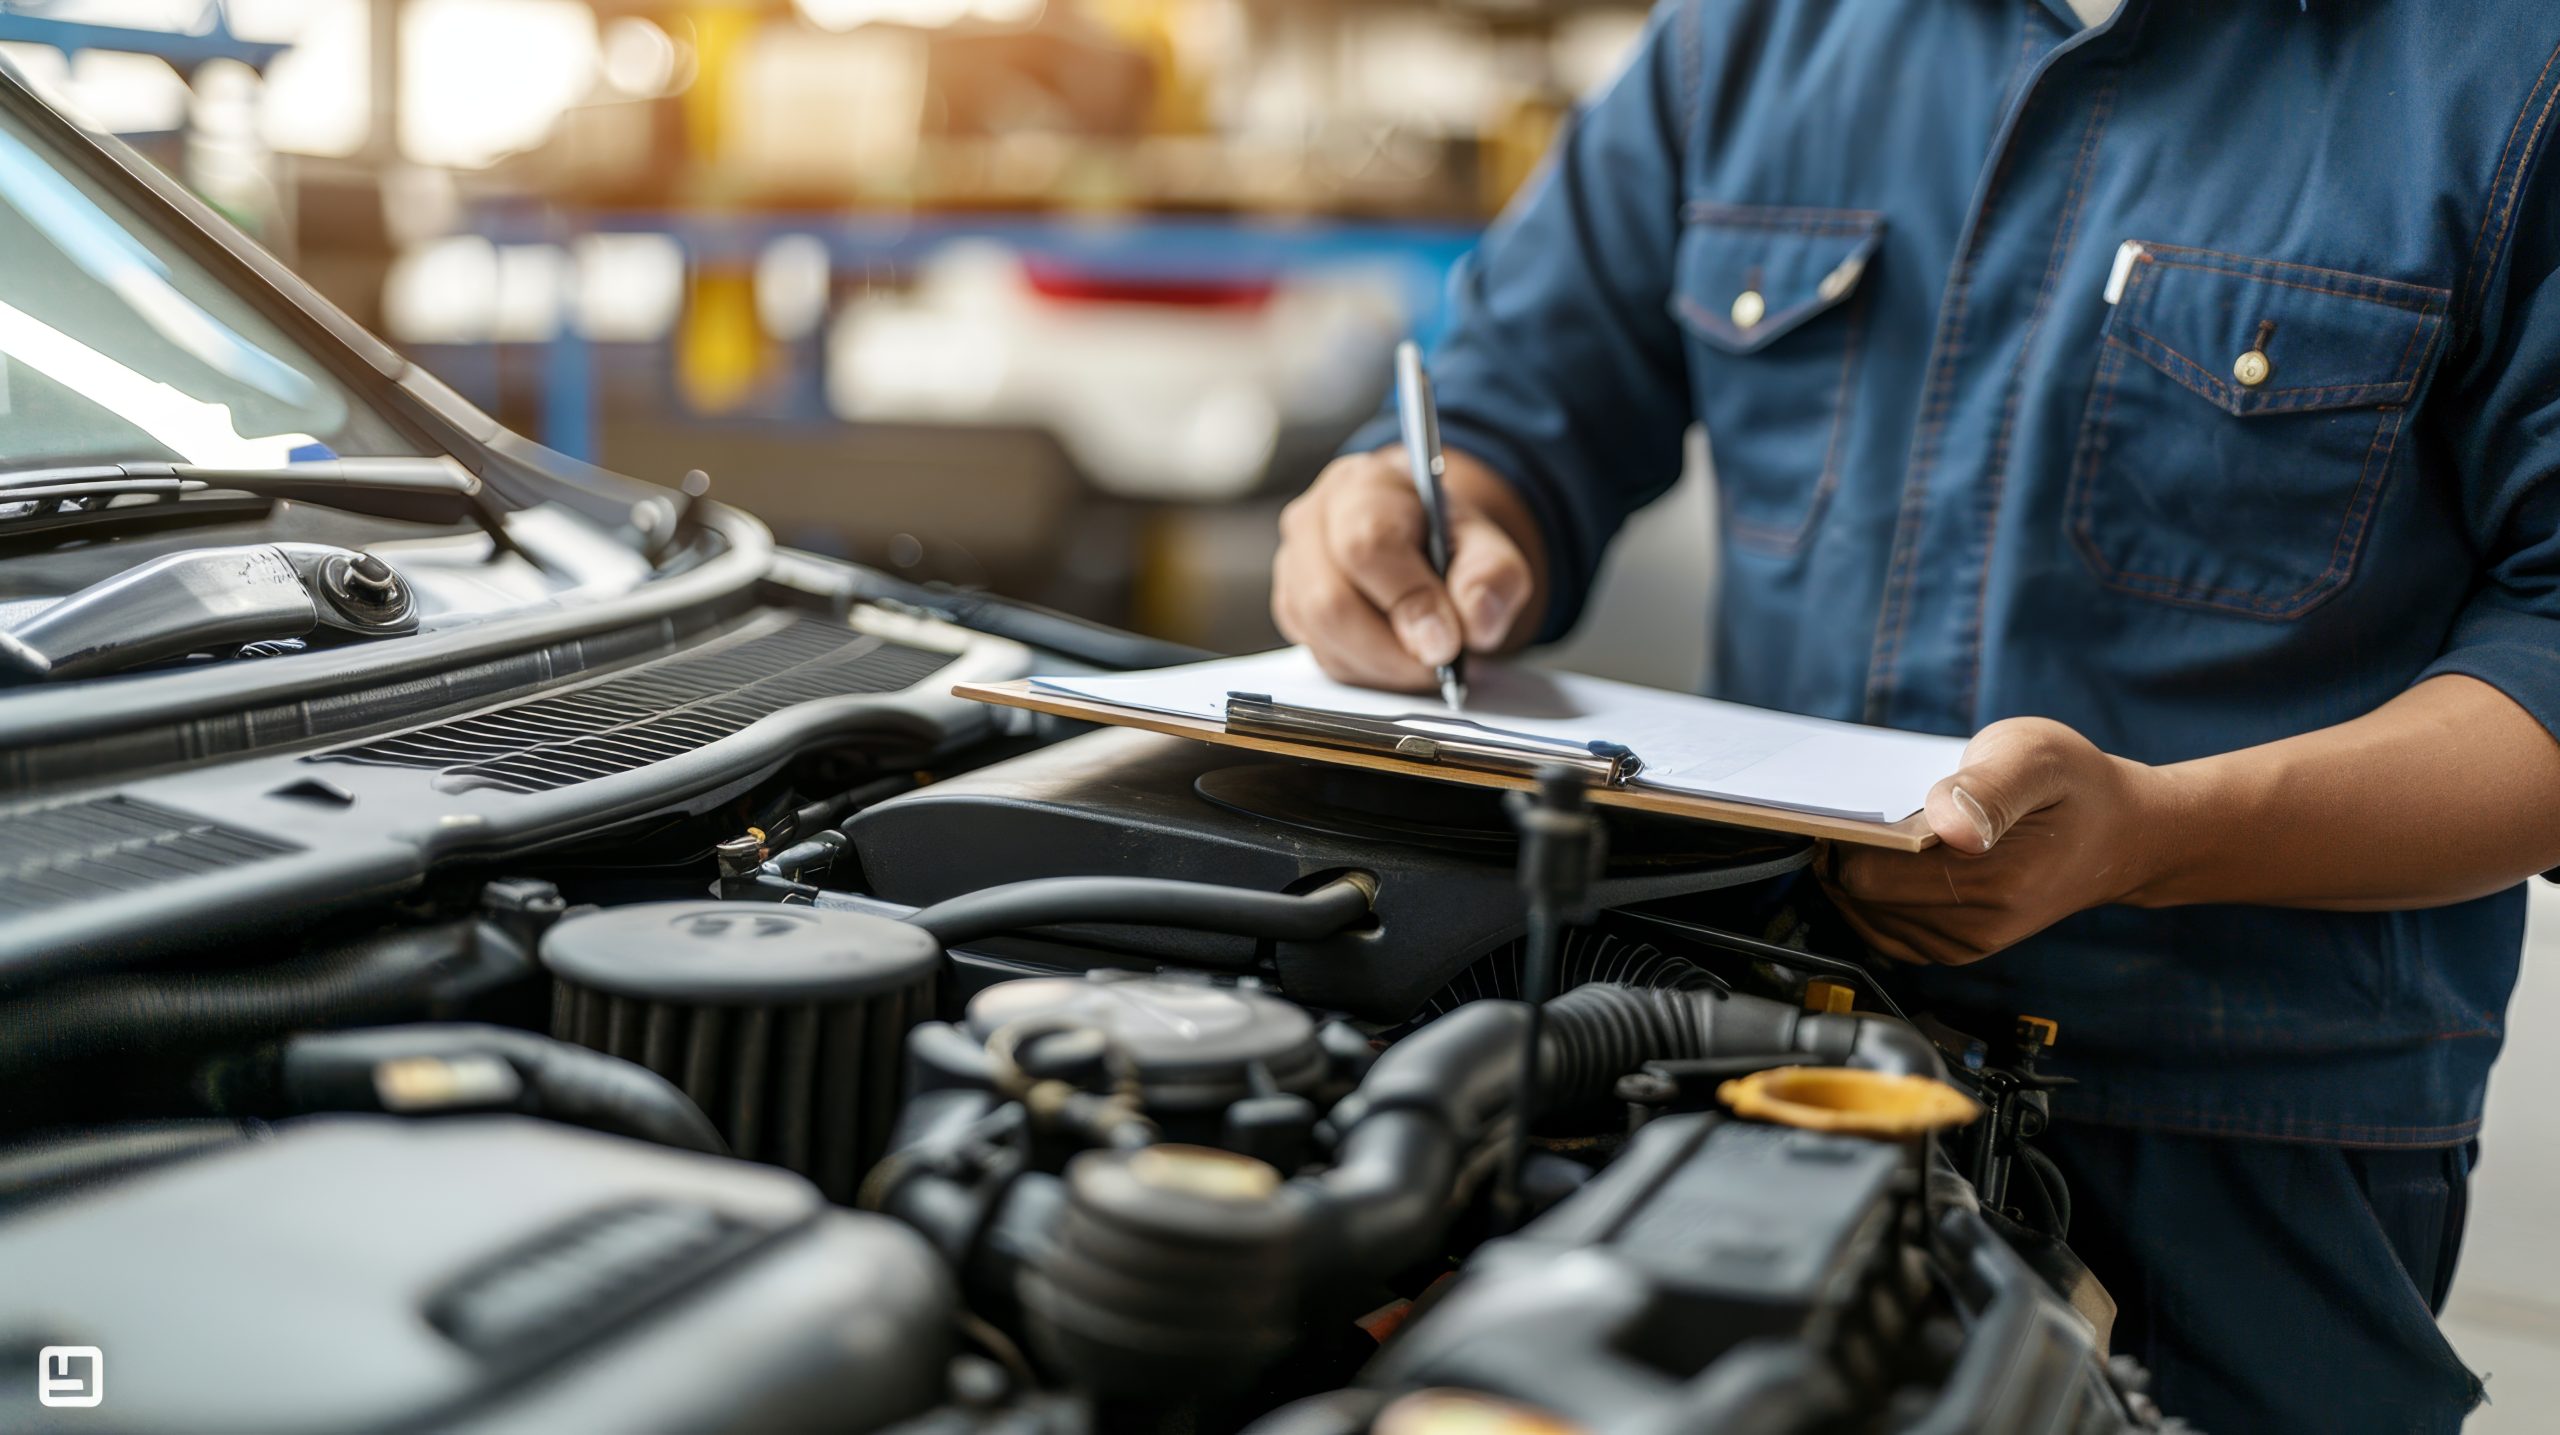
(785, 1024)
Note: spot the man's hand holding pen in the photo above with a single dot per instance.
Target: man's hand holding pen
(1353, 583)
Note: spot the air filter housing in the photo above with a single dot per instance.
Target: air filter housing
(785, 1024)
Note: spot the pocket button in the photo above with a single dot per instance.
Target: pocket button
(2251, 368)
(1749, 308)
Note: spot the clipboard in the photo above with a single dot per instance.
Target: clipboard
(1347, 741)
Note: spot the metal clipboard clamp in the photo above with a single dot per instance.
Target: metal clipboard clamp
(1608, 764)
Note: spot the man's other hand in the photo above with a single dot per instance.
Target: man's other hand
(2035, 825)
(1353, 583)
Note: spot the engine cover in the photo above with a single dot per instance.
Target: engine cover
(1126, 803)
(482, 1274)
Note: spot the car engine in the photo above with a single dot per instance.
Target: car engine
(746, 1034)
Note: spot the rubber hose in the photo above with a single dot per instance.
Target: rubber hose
(2053, 1189)
(392, 976)
(335, 1071)
(1600, 1032)
(1462, 1069)
(1148, 902)
(1433, 1098)
(1404, 1138)
(819, 851)
(1382, 1204)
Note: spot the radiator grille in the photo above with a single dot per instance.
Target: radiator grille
(652, 713)
(75, 851)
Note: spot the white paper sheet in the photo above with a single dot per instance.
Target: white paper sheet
(1688, 744)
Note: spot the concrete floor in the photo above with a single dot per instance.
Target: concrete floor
(1647, 624)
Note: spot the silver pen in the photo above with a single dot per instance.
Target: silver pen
(1419, 417)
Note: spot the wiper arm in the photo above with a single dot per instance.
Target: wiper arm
(426, 490)
(211, 598)
(423, 490)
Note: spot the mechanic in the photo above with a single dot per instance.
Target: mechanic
(2169, 396)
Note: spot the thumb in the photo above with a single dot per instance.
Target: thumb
(1489, 579)
(2010, 770)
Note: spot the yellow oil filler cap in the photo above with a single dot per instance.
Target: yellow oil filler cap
(1464, 1412)
(1825, 995)
(1848, 1101)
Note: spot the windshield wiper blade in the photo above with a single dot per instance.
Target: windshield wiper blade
(36, 500)
(420, 490)
(59, 492)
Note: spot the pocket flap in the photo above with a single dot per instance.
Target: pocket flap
(1748, 275)
(2321, 338)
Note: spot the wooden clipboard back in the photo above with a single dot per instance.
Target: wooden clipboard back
(1912, 834)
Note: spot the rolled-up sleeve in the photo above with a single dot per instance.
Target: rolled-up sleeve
(1561, 367)
(2507, 450)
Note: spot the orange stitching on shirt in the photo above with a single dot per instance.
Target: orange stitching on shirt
(1893, 619)
(2297, 602)
(1904, 566)
(2342, 550)
(2095, 436)
(1996, 472)
(2405, 370)
(2430, 306)
(1778, 538)
(2515, 189)
(2497, 208)
(2213, 389)
(2244, 262)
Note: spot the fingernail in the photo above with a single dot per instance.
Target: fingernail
(1487, 613)
(1974, 814)
(1429, 639)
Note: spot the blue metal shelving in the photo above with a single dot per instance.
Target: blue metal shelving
(1158, 248)
(187, 50)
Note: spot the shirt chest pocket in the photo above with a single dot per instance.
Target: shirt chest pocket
(1769, 297)
(2244, 417)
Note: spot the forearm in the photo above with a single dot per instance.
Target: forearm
(2448, 792)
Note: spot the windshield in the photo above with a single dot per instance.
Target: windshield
(116, 347)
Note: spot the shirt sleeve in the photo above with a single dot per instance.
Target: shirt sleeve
(2506, 447)
(1562, 368)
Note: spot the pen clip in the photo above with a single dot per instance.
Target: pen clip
(2128, 254)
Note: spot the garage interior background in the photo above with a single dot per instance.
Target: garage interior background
(1060, 297)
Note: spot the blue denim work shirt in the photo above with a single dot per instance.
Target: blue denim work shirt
(1871, 246)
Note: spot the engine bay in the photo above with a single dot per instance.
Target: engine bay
(737, 1031)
